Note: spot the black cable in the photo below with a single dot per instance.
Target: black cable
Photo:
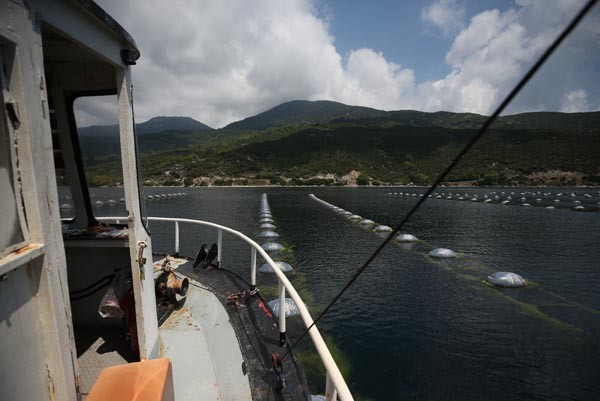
(92, 292)
(95, 283)
(453, 164)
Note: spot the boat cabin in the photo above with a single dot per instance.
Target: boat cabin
(54, 271)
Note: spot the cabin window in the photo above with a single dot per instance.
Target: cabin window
(97, 123)
(12, 229)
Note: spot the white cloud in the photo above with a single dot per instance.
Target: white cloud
(575, 102)
(446, 15)
(221, 61)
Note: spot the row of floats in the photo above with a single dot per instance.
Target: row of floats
(550, 200)
(269, 237)
(499, 279)
(113, 202)
(98, 203)
(165, 196)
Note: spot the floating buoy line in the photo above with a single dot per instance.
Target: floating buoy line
(268, 236)
(576, 200)
(166, 196)
(475, 272)
(114, 202)
(381, 228)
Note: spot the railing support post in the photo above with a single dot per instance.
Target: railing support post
(176, 238)
(219, 248)
(330, 392)
(253, 270)
(282, 310)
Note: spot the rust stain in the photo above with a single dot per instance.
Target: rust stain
(51, 387)
(26, 248)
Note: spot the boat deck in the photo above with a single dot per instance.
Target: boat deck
(220, 350)
(198, 337)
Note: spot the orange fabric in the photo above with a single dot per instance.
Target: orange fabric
(150, 380)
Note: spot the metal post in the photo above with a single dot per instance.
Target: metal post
(219, 248)
(253, 270)
(330, 392)
(282, 310)
(176, 238)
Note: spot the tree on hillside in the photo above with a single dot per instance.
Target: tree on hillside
(362, 180)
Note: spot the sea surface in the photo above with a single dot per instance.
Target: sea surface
(413, 327)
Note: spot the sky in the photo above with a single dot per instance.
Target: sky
(220, 61)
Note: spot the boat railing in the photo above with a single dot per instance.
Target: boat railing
(335, 387)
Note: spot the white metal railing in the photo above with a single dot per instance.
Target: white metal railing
(336, 387)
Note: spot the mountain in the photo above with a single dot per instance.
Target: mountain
(152, 126)
(303, 112)
(160, 124)
(302, 142)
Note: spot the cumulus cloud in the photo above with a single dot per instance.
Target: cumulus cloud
(446, 15)
(219, 62)
(490, 55)
(575, 102)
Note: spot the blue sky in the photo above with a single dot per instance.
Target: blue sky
(221, 61)
(397, 30)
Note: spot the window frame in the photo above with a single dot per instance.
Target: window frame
(8, 51)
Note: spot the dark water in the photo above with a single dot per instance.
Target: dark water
(416, 328)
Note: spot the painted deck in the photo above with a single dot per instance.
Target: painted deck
(202, 346)
(239, 340)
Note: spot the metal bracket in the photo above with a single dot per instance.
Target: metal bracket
(141, 260)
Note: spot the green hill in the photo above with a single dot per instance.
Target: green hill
(303, 112)
(321, 142)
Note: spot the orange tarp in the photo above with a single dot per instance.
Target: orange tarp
(150, 380)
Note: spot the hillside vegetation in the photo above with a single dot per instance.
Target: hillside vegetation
(328, 143)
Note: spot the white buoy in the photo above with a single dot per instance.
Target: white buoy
(346, 213)
(366, 222)
(268, 234)
(272, 247)
(99, 203)
(112, 202)
(65, 206)
(267, 226)
(266, 268)
(579, 208)
(550, 207)
(354, 217)
(290, 307)
(406, 238)
(266, 220)
(506, 279)
(442, 253)
(382, 229)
